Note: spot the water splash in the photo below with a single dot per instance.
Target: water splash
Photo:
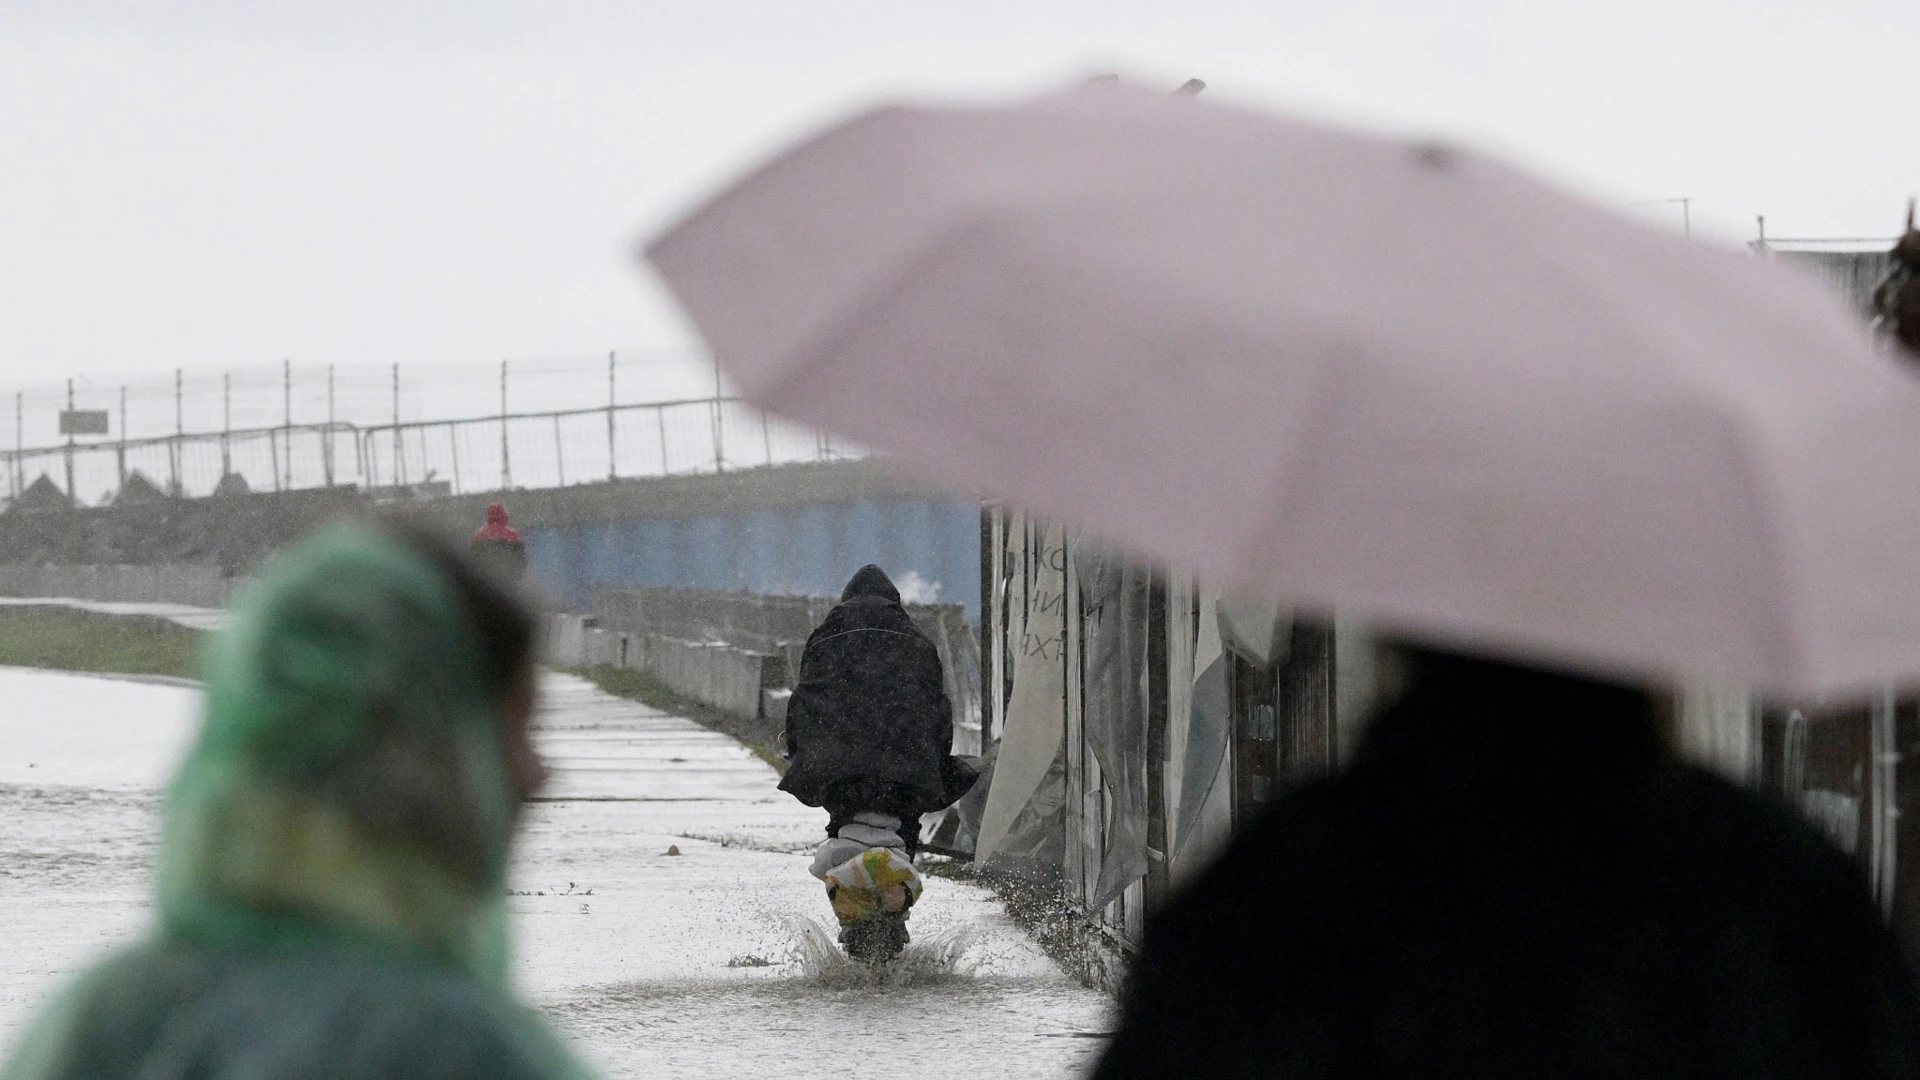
(939, 956)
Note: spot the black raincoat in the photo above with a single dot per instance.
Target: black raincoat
(1514, 879)
(871, 708)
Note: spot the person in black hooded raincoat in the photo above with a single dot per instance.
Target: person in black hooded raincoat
(869, 726)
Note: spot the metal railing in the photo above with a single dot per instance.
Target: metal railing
(527, 450)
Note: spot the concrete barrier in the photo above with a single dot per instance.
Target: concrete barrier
(190, 584)
(776, 627)
(724, 677)
(567, 641)
(716, 675)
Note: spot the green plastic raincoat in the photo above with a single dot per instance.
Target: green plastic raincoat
(332, 873)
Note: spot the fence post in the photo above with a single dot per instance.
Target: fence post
(613, 460)
(559, 452)
(1883, 815)
(19, 442)
(120, 454)
(179, 436)
(660, 413)
(453, 444)
(719, 433)
(506, 459)
(326, 437)
(72, 495)
(399, 447)
(286, 405)
(766, 435)
(226, 425)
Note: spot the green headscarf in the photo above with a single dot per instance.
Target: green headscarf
(351, 777)
(334, 852)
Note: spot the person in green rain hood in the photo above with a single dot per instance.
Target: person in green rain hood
(334, 850)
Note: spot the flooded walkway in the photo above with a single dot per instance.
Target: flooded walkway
(717, 961)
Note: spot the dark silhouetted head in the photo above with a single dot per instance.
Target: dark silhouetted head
(1515, 719)
(871, 581)
(1907, 249)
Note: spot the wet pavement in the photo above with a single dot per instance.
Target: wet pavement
(717, 961)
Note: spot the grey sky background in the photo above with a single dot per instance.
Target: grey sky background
(212, 183)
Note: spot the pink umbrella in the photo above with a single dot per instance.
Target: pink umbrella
(1407, 381)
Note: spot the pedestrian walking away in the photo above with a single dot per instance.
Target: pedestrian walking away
(869, 738)
(498, 546)
(332, 878)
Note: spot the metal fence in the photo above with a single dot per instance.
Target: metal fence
(1854, 275)
(507, 448)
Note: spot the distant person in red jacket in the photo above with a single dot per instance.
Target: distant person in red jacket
(498, 547)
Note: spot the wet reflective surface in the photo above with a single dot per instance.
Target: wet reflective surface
(717, 961)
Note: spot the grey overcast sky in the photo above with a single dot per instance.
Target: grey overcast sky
(206, 183)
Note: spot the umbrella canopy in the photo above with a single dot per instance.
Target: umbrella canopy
(1406, 380)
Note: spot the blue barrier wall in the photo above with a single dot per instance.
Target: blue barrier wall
(802, 550)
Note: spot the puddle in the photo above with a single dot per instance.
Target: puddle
(933, 957)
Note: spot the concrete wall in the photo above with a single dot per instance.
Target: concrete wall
(729, 679)
(197, 586)
(720, 676)
(791, 529)
(233, 533)
(777, 627)
(797, 550)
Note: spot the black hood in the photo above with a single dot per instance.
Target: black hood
(871, 581)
